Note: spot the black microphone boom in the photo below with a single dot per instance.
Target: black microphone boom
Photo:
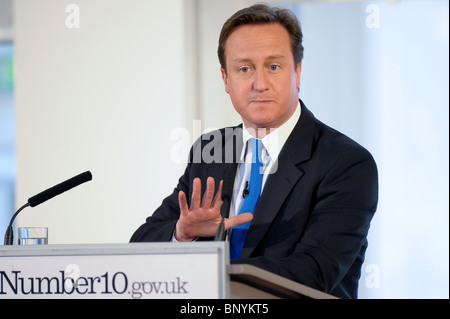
(59, 189)
(46, 195)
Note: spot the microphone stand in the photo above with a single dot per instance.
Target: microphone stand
(9, 231)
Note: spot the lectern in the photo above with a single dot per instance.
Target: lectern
(198, 270)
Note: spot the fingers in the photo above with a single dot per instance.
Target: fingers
(208, 197)
(196, 193)
(217, 203)
(208, 201)
(182, 201)
(238, 220)
(209, 193)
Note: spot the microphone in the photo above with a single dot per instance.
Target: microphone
(227, 191)
(59, 189)
(246, 191)
(46, 195)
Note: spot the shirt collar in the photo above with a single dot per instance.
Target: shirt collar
(275, 140)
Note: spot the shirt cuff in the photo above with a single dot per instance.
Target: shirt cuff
(174, 240)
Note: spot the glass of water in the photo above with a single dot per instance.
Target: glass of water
(33, 235)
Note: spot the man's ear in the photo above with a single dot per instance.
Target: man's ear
(225, 79)
(298, 73)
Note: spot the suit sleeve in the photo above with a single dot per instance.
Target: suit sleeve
(334, 240)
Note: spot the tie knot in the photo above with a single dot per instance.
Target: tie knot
(256, 146)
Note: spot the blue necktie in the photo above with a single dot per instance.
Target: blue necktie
(239, 233)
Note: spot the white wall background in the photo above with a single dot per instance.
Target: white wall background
(103, 97)
(387, 87)
(107, 96)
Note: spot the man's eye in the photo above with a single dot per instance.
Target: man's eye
(274, 67)
(244, 69)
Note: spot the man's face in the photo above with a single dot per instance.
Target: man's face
(261, 77)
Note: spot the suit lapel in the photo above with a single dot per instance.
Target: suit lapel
(279, 184)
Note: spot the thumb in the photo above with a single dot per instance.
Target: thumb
(237, 220)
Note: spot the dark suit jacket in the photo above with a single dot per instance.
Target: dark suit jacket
(312, 219)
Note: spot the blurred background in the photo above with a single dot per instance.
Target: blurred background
(122, 88)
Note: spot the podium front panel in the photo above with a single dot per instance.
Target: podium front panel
(134, 270)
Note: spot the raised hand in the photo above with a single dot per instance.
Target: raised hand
(203, 217)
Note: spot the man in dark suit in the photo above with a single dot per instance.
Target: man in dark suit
(319, 188)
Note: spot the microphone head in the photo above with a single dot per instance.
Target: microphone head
(59, 189)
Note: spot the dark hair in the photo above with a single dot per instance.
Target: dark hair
(263, 14)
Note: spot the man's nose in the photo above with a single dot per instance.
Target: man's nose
(260, 82)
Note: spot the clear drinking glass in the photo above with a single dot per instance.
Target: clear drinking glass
(33, 235)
